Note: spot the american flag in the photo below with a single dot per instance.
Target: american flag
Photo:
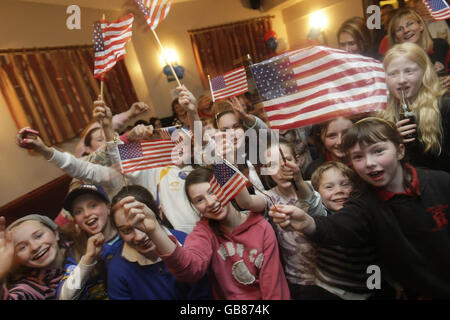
(229, 85)
(226, 183)
(166, 133)
(141, 155)
(154, 11)
(109, 43)
(439, 9)
(316, 84)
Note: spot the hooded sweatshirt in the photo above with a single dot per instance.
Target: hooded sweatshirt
(243, 265)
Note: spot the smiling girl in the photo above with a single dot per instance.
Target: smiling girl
(327, 139)
(408, 69)
(31, 258)
(238, 249)
(137, 272)
(404, 212)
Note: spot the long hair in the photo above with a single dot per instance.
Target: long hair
(357, 28)
(220, 108)
(425, 41)
(426, 104)
(201, 175)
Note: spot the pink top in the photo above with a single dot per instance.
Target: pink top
(244, 264)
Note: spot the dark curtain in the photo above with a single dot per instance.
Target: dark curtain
(52, 89)
(219, 49)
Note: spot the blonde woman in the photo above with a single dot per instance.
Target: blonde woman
(408, 26)
(408, 69)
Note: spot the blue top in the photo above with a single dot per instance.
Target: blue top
(95, 286)
(131, 281)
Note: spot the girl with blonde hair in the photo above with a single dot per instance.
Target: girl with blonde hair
(409, 70)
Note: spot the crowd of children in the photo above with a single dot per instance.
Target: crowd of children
(378, 195)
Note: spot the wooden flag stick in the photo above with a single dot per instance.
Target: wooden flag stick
(164, 56)
(101, 80)
(101, 89)
(210, 88)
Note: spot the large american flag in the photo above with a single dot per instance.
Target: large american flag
(439, 9)
(316, 84)
(147, 154)
(109, 43)
(230, 84)
(154, 11)
(226, 183)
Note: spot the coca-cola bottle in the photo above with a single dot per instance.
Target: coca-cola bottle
(406, 113)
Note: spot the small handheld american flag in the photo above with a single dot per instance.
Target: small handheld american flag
(226, 183)
(316, 84)
(109, 43)
(142, 155)
(438, 9)
(230, 84)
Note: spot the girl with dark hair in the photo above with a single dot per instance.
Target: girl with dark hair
(327, 137)
(137, 272)
(403, 212)
(237, 249)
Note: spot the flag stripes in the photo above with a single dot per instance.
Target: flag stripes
(109, 43)
(438, 9)
(230, 84)
(154, 11)
(226, 183)
(315, 84)
(141, 155)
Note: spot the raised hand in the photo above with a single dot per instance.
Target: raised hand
(404, 129)
(102, 113)
(293, 218)
(93, 248)
(289, 170)
(238, 107)
(140, 132)
(6, 250)
(445, 82)
(29, 139)
(139, 215)
(136, 109)
(224, 148)
(186, 99)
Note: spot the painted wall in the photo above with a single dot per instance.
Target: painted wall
(296, 18)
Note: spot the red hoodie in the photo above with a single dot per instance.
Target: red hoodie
(243, 265)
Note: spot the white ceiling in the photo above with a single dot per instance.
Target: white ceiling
(96, 4)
